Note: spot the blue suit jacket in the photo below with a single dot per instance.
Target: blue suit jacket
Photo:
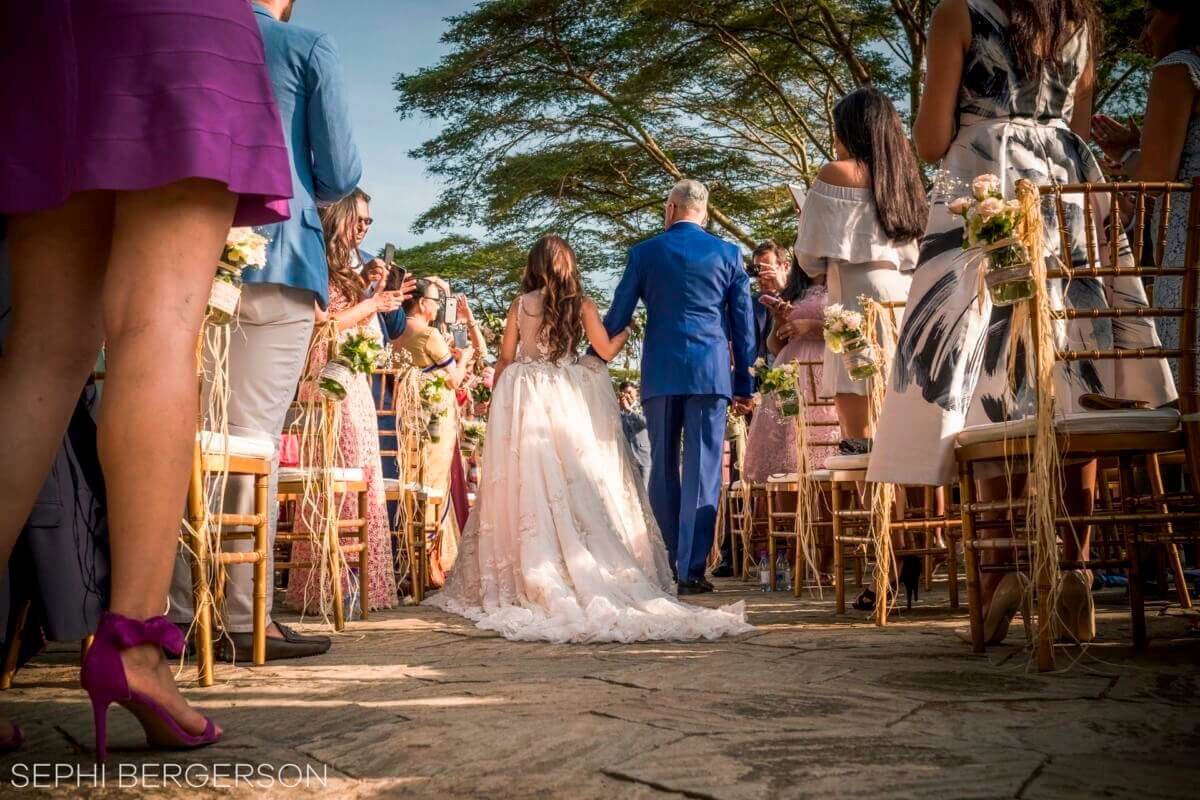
(306, 74)
(697, 298)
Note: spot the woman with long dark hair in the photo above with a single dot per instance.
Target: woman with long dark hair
(561, 545)
(1008, 93)
(859, 227)
(358, 433)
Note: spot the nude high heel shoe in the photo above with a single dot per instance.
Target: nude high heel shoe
(1011, 596)
(1075, 613)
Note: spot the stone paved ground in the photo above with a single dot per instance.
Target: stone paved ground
(416, 703)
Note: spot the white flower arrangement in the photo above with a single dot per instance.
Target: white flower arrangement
(840, 326)
(244, 249)
(990, 225)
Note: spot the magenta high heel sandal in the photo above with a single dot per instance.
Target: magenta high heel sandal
(103, 678)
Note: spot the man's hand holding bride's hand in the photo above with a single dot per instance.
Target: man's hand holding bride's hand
(620, 339)
(743, 405)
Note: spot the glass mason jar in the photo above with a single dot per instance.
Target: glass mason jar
(335, 377)
(859, 358)
(225, 294)
(788, 402)
(434, 428)
(1009, 275)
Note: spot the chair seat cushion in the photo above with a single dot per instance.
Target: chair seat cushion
(394, 485)
(1159, 420)
(820, 475)
(856, 461)
(346, 474)
(216, 443)
(788, 477)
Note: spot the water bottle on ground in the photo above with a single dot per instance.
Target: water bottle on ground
(783, 573)
(764, 572)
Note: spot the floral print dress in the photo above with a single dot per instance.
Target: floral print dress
(358, 446)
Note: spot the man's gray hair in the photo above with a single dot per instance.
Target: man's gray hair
(690, 194)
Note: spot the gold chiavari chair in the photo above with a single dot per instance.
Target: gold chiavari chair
(925, 530)
(782, 492)
(1127, 437)
(385, 391)
(341, 483)
(216, 457)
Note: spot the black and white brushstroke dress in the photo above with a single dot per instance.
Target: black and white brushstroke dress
(951, 363)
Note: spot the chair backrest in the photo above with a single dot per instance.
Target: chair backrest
(809, 386)
(1107, 253)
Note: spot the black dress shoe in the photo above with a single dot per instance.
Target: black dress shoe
(706, 584)
(292, 645)
(693, 587)
(723, 571)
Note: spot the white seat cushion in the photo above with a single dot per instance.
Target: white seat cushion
(1159, 420)
(789, 477)
(391, 484)
(346, 474)
(856, 461)
(820, 475)
(215, 443)
(736, 486)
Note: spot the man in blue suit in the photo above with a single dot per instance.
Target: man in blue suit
(275, 320)
(699, 318)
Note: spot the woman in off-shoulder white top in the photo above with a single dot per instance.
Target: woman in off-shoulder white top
(859, 228)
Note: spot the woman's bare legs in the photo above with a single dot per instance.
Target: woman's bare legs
(163, 248)
(57, 272)
(854, 415)
(1079, 497)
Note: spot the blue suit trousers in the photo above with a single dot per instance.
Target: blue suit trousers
(687, 443)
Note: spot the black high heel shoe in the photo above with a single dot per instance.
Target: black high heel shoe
(910, 576)
(865, 601)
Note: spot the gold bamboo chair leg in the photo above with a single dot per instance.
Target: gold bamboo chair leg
(839, 567)
(772, 577)
(1172, 551)
(201, 592)
(333, 557)
(12, 652)
(262, 581)
(974, 585)
(1137, 600)
(364, 514)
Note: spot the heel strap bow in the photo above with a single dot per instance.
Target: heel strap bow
(125, 632)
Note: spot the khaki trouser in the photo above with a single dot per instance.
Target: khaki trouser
(266, 358)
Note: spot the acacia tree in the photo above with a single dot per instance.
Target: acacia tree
(578, 115)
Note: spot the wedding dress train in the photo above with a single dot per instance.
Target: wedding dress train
(561, 545)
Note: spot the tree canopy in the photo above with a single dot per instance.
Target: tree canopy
(578, 115)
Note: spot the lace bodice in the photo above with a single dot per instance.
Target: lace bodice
(531, 346)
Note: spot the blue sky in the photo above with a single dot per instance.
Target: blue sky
(379, 39)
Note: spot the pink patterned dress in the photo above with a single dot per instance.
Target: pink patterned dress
(771, 442)
(358, 446)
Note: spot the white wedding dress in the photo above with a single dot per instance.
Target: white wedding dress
(561, 545)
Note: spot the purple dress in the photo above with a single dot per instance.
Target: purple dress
(136, 94)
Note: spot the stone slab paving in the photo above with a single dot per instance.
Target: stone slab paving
(417, 703)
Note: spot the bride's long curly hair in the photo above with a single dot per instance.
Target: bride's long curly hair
(552, 268)
(338, 221)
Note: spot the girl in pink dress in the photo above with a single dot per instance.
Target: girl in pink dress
(771, 442)
(358, 431)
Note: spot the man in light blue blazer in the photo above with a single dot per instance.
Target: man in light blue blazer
(697, 354)
(269, 345)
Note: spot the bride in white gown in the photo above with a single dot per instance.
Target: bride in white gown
(561, 545)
